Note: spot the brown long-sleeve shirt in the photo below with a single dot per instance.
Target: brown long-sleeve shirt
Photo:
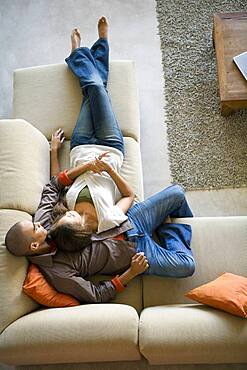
(69, 272)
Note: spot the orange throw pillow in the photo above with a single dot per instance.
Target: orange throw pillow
(36, 287)
(228, 293)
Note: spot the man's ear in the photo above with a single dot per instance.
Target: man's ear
(34, 246)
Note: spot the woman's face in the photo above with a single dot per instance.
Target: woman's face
(70, 217)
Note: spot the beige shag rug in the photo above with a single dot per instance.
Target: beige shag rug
(206, 150)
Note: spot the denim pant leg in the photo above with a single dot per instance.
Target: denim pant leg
(176, 262)
(153, 211)
(106, 128)
(175, 239)
(82, 64)
(83, 132)
(100, 52)
(173, 257)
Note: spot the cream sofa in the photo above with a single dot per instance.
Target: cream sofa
(151, 322)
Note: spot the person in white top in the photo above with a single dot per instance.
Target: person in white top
(96, 157)
(99, 198)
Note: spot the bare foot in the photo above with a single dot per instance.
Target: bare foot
(75, 39)
(103, 27)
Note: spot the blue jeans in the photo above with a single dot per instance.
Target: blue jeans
(96, 123)
(172, 256)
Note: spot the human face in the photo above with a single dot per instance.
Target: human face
(35, 231)
(70, 217)
(39, 232)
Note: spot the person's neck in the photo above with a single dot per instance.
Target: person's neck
(44, 248)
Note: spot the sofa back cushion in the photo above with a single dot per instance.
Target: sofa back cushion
(14, 303)
(218, 244)
(50, 97)
(24, 165)
(56, 98)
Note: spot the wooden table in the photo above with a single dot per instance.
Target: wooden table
(230, 39)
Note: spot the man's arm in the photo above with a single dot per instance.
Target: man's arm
(84, 290)
(52, 190)
(49, 198)
(87, 292)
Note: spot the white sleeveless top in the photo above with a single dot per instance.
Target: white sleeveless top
(104, 192)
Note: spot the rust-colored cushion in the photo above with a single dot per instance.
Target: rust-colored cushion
(228, 293)
(36, 287)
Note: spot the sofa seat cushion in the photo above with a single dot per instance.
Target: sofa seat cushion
(190, 334)
(87, 333)
(131, 296)
(131, 169)
(218, 245)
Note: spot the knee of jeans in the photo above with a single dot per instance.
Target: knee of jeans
(179, 192)
(97, 83)
(186, 269)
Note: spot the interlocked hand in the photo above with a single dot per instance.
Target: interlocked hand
(98, 166)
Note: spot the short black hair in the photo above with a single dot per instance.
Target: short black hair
(17, 242)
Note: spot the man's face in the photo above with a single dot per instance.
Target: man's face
(34, 231)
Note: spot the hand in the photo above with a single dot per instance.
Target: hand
(102, 166)
(98, 166)
(91, 166)
(139, 264)
(57, 139)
